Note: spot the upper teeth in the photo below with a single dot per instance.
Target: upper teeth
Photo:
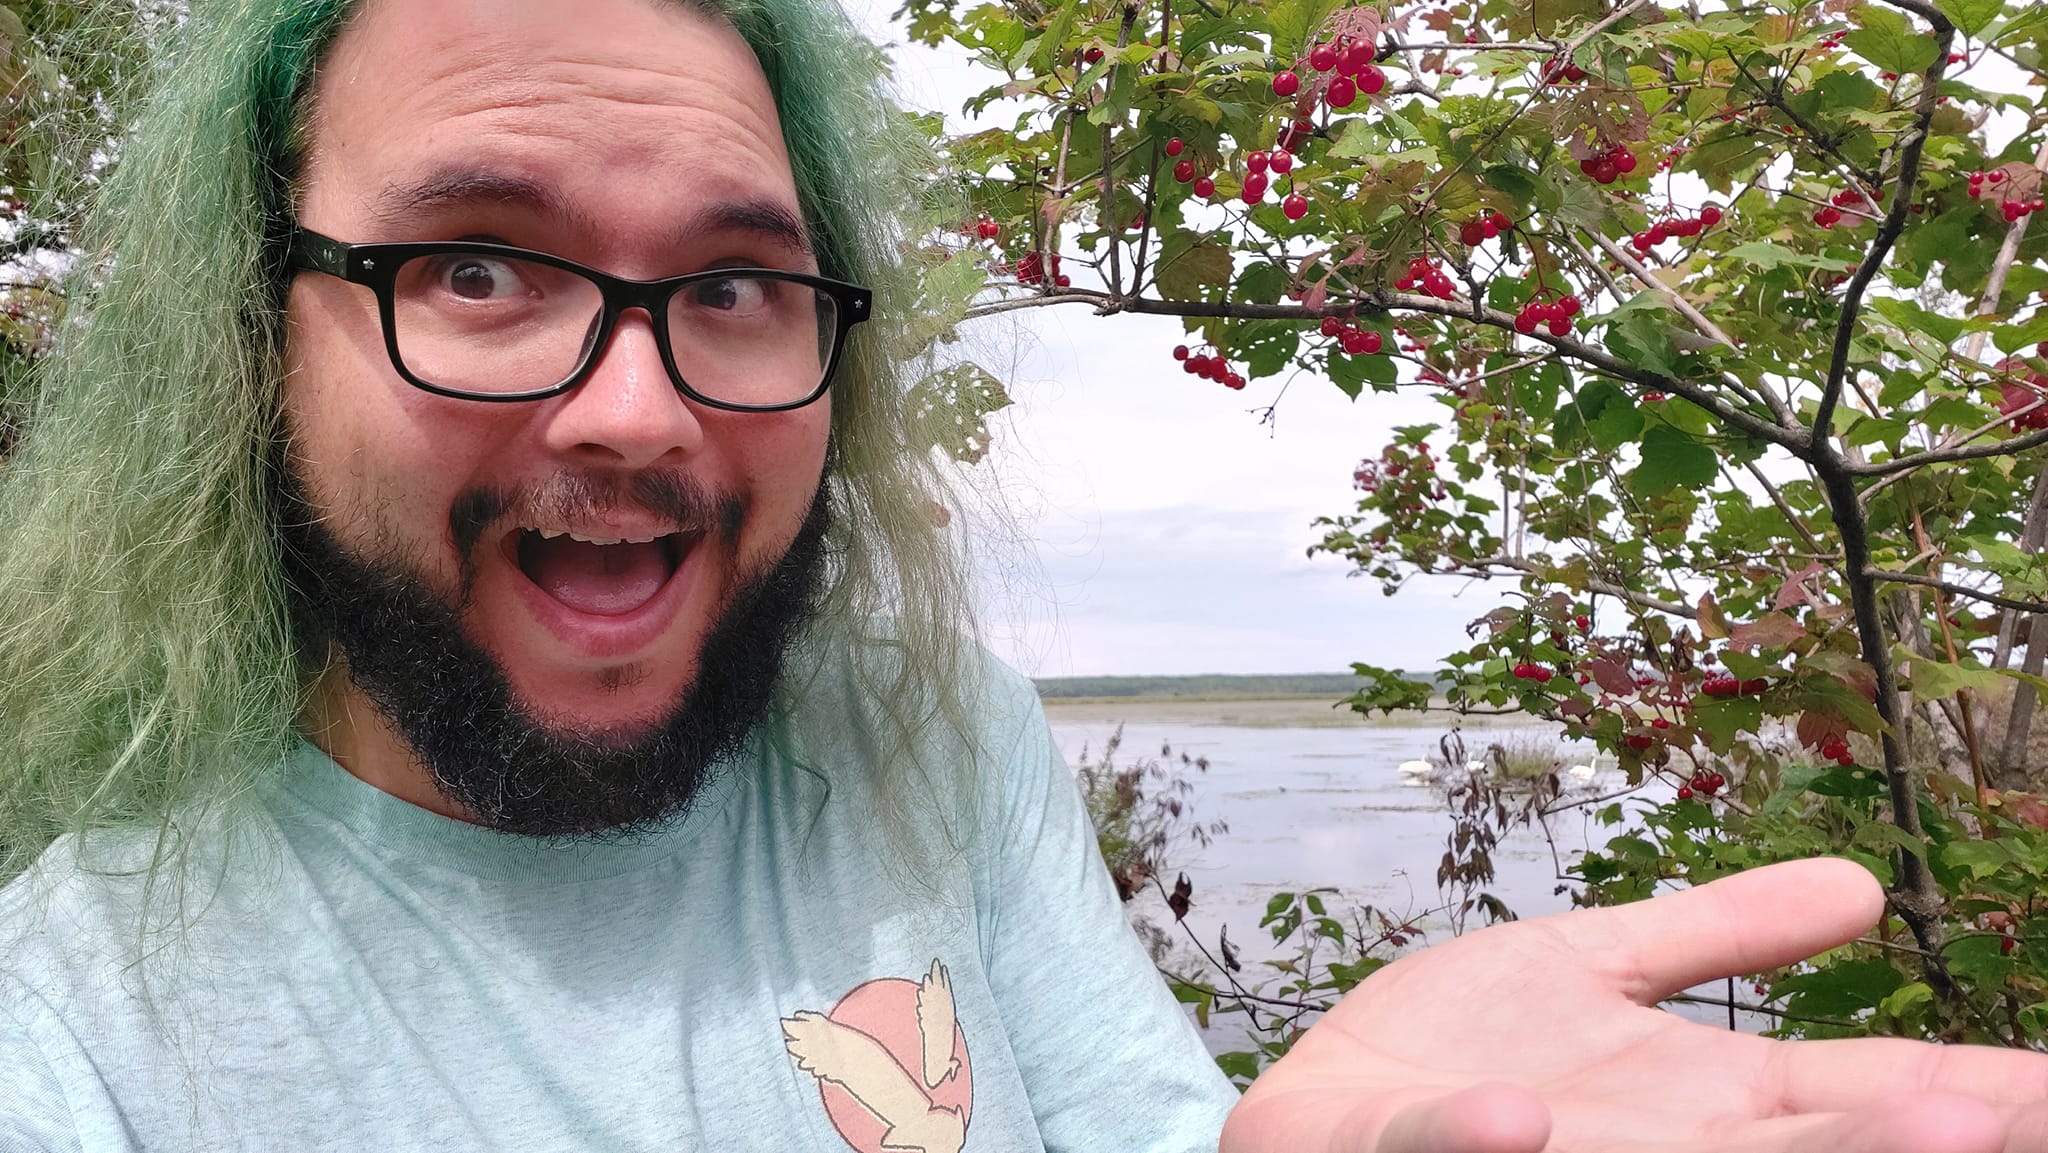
(552, 533)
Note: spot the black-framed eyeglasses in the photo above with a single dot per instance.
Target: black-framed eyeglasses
(493, 322)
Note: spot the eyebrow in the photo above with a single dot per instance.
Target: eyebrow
(414, 202)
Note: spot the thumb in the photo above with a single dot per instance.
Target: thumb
(1486, 1118)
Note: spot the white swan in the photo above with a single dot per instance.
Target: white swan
(1416, 768)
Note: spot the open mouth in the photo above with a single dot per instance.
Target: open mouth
(597, 575)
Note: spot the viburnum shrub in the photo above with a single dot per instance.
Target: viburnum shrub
(1736, 320)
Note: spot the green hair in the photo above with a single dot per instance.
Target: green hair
(146, 659)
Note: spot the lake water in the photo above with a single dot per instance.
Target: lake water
(1328, 806)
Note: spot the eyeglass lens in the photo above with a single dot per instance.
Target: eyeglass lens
(490, 324)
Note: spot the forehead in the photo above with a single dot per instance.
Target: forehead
(610, 117)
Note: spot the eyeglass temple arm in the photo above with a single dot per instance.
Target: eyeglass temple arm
(311, 250)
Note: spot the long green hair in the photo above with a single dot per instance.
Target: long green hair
(147, 672)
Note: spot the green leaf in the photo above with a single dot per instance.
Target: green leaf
(1671, 459)
(1352, 373)
(1980, 859)
(1511, 180)
(1721, 719)
(1888, 41)
(1766, 256)
(1644, 340)
(1052, 44)
(2010, 338)
(1359, 139)
(1911, 318)
(1971, 16)
(1190, 265)
(1938, 680)
(1907, 1002)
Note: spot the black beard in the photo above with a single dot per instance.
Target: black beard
(407, 652)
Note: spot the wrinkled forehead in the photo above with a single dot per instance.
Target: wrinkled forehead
(594, 112)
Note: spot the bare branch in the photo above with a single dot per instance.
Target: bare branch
(1894, 222)
(1606, 588)
(1913, 460)
(1950, 587)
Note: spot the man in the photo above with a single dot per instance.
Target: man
(445, 585)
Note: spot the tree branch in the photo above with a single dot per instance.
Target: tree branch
(1594, 584)
(1950, 587)
(1888, 232)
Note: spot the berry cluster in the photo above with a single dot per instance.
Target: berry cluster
(1680, 226)
(1353, 340)
(1702, 784)
(1727, 685)
(2021, 402)
(1031, 270)
(1609, 164)
(1424, 274)
(1530, 671)
(1484, 227)
(1352, 60)
(2011, 207)
(1558, 70)
(1556, 315)
(1208, 367)
(1836, 749)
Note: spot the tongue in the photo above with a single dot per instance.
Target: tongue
(605, 579)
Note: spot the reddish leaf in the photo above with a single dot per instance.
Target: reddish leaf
(1771, 632)
(1817, 728)
(1794, 589)
(1611, 674)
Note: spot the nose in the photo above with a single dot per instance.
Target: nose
(627, 413)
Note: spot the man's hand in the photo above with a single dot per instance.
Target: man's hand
(1544, 1036)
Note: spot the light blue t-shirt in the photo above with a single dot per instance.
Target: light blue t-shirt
(368, 975)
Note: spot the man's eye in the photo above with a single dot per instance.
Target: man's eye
(735, 294)
(480, 278)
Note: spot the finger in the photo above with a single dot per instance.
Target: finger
(1489, 1118)
(1923, 1123)
(1761, 919)
(1830, 1076)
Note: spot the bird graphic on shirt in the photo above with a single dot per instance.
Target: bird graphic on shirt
(851, 1059)
(935, 1025)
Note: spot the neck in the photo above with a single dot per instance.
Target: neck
(344, 724)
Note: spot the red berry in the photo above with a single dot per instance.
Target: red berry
(1205, 187)
(1371, 80)
(1472, 232)
(1560, 325)
(1541, 674)
(1584, 622)
(1184, 171)
(1254, 187)
(1064, 281)
(1295, 206)
(1286, 84)
(1604, 171)
(1180, 352)
(1355, 59)
(2007, 944)
(1526, 322)
(1370, 342)
(1640, 741)
(1331, 326)
(1174, 146)
(1322, 58)
(1343, 90)
(1255, 163)
(1281, 161)
(1092, 56)
(1659, 723)
(1624, 160)
(1685, 792)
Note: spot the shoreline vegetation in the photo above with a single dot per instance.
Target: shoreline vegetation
(1310, 700)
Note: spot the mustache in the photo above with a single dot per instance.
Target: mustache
(678, 498)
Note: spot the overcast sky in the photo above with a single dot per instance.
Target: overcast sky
(1157, 526)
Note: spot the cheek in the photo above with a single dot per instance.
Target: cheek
(360, 438)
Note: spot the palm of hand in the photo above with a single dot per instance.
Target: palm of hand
(1542, 1035)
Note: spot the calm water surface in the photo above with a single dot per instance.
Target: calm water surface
(1329, 807)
